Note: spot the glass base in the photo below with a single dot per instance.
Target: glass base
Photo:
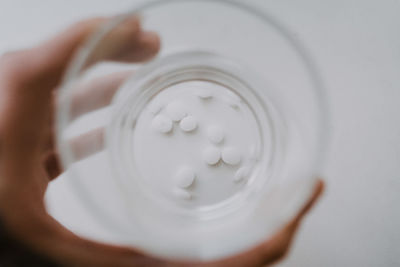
(149, 147)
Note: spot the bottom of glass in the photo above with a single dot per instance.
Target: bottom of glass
(191, 135)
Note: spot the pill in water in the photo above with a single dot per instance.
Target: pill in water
(162, 123)
(182, 194)
(176, 110)
(215, 134)
(242, 174)
(185, 177)
(231, 156)
(211, 155)
(204, 94)
(188, 123)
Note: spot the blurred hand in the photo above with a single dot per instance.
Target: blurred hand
(29, 160)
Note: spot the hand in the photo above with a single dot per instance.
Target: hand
(29, 160)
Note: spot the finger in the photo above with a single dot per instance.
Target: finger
(30, 76)
(87, 144)
(52, 165)
(318, 190)
(96, 94)
(125, 42)
(43, 66)
(82, 147)
(148, 44)
(90, 96)
(46, 62)
(276, 247)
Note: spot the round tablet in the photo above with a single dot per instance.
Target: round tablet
(162, 123)
(215, 134)
(176, 110)
(242, 173)
(204, 94)
(188, 123)
(182, 194)
(185, 177)
(211, 155)
(231, 156)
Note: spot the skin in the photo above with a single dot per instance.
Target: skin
(29, 158)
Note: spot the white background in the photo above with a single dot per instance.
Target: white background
(356, 43)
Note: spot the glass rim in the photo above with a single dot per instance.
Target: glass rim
(78, 62)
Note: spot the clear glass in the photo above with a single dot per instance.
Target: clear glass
(247, 53)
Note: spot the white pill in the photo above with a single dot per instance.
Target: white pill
(176, 110)
(211, 155)
(182, 194)
(188, 123)
(215, 134)
(185, 177)
(242, 174)
(162, 123)
(204, 94)
(231, 156)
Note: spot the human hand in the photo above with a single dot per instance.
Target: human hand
(29, 160)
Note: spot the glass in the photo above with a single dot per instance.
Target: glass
(229, 45)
